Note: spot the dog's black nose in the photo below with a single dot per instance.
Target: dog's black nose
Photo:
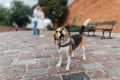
(60, 32)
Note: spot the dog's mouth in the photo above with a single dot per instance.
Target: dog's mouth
(62, 36)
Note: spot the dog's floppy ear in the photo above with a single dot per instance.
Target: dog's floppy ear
(54, 37)
(68, 28)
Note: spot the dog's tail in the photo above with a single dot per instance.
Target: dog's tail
(82, 28)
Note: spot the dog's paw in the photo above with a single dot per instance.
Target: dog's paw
(58, 65)
(84, 58)
(72, 55)
(67, 68)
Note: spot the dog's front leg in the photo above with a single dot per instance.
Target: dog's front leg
(73, 53)
(68, 63)
(83, 51)
(59, 62)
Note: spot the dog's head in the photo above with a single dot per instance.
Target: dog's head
(61, 33)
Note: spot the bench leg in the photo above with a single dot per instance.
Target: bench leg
(94, 33)
(88, 34)
(103, 37)
(110, 35)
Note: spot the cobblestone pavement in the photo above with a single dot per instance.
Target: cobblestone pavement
(27, 57)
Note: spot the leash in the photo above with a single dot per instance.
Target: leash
(64, 45)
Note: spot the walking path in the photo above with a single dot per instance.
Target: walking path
(27, 57)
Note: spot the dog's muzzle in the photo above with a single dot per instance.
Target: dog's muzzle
(61, 35)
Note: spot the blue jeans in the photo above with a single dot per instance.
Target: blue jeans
(35, 30)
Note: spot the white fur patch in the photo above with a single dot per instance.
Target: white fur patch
(86, 22)
(64, 50)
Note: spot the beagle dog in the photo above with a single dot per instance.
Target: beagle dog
(68, 43)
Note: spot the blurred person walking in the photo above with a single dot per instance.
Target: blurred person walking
(36, 16)
(41, 25)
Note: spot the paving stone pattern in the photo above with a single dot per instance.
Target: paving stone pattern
(24, 56)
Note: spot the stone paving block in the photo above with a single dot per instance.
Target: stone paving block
(1, 70)
(114, 78)
(11, 51)
(28, 79)
(111, 64)
(25, 51)
(2, 43)
(90, 50)
(16, 68)
(52, 62)
(93, 66)
(12, 75)
(32, 73)
(5, 62)
(76, 68)
(49, 48)
(99, 52)
(114, 72)
(34, 66)
(26, 56)
(9, 57)
(43, 56)
(24, 62)
(56, 71)
(97, 74)
(49, 78)
(115, 47)
(107, 46)
(32, 46)
(41, 63)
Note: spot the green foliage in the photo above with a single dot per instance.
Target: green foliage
(53, 8)
(49, 28)
(74, 28)
(17, 14)
(20, 13)
(4, 16)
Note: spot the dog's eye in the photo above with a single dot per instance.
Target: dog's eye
(56, 31)
(62, 28)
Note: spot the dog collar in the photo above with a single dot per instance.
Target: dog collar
(64, 45)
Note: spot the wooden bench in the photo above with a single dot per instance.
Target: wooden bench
(106, 26)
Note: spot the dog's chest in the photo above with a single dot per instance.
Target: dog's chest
(64, 46)
(64, 49)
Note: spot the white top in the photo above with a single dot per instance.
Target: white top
(37, 13)
(40, 18)
(41, 15)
